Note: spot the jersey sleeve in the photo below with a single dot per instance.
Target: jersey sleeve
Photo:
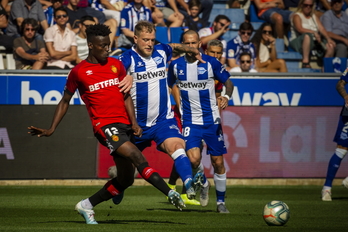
(219, 71)
(345, 75)
(167, 49)
(231, 50)
(71, 84)
(125, 58)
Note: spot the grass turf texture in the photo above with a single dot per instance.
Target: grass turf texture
(47, 208)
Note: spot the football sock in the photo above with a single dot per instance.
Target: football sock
(110, 189)
(220, 186)
(174, 176)
(151, 175)
(182, 165)
(332, 169)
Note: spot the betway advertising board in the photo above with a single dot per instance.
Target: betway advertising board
(256, 91)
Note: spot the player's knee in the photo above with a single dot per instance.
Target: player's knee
(341, 152)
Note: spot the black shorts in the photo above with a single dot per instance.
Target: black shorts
(114, 135)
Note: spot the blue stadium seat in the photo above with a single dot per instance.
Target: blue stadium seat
(253, 13)
(175, 34)
(235, 15)
(335, 64)
(230, 35)
(162, 34)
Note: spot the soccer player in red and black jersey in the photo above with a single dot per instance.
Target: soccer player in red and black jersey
(103, 85)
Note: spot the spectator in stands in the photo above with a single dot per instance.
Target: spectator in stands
(170, 12)
(216, 31)
(49, 11)
(6, 5)
(307, 33)
(206, 7)
(5, 40)
(21, 9)
(81, 38)
(321, 6)
(28, 51)
(266, 54)
(245, 64)
(61, 42)
(110, 8)
(335, 22)
(193, 21)
(75, 13)
(239, 44)
(130, 15)
(272, 11)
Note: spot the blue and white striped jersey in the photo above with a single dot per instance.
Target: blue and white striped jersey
(130, 16)
(150, 92)
(196, 82)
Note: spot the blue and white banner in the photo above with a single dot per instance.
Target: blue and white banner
(249, 91)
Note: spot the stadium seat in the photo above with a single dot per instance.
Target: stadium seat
(335, 64)
(230, 35)
(162, 34)
(253, 13)
(175, 34)
(235, 15)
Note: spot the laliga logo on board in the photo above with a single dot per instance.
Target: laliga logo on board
(239, 135)
(5, 144)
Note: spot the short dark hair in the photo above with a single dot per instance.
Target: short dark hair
(60, 9)
(245, 54)
(193, 3)
(30, 21)
(246, 26)
(189, 32)
(219, 17)
(86, 18)
(215, 42)
(97, 30)
(144, 26)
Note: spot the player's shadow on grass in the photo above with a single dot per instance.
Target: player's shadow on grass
(340, 198)
(184, 210)
(139, 221)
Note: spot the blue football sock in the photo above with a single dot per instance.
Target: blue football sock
(332, 169)
(183, 168)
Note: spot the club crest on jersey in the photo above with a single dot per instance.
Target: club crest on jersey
(115, 138)
(89, 72)
(113, 68)
(201, 70)
(140, 64)
(158, 59)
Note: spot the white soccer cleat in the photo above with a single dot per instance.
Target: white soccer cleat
(345, 182)
(221, 208)
(87, 214)
(175, 199)
(326, 195)
(204, 197)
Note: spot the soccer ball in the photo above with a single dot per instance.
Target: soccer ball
(276, 213)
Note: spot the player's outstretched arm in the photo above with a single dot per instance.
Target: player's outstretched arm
(131, 113)
(340, 87)
(182, 48)
(61, 109)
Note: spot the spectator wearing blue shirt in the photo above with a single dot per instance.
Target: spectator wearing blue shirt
(239, 44)
(130, 15)
(335, 21)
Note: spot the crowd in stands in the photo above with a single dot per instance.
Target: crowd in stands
(51, 33)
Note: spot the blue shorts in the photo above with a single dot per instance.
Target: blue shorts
(341, 136)
(284, 13)
(158, 133)
(211, 134)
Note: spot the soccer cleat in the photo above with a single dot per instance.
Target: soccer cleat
(188, 201)
(197, 181)
(345, 182)
(87, 214)
(326, 195)
(221, 208)
(175, 199)
(171, 186)
(118, 198)
(204, 197)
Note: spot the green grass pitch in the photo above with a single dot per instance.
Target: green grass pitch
(51, 208)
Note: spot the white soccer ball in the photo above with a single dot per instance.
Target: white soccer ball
(276, 213)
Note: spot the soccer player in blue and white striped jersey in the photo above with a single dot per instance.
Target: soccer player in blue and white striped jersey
(200, 113)
(146, 63)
